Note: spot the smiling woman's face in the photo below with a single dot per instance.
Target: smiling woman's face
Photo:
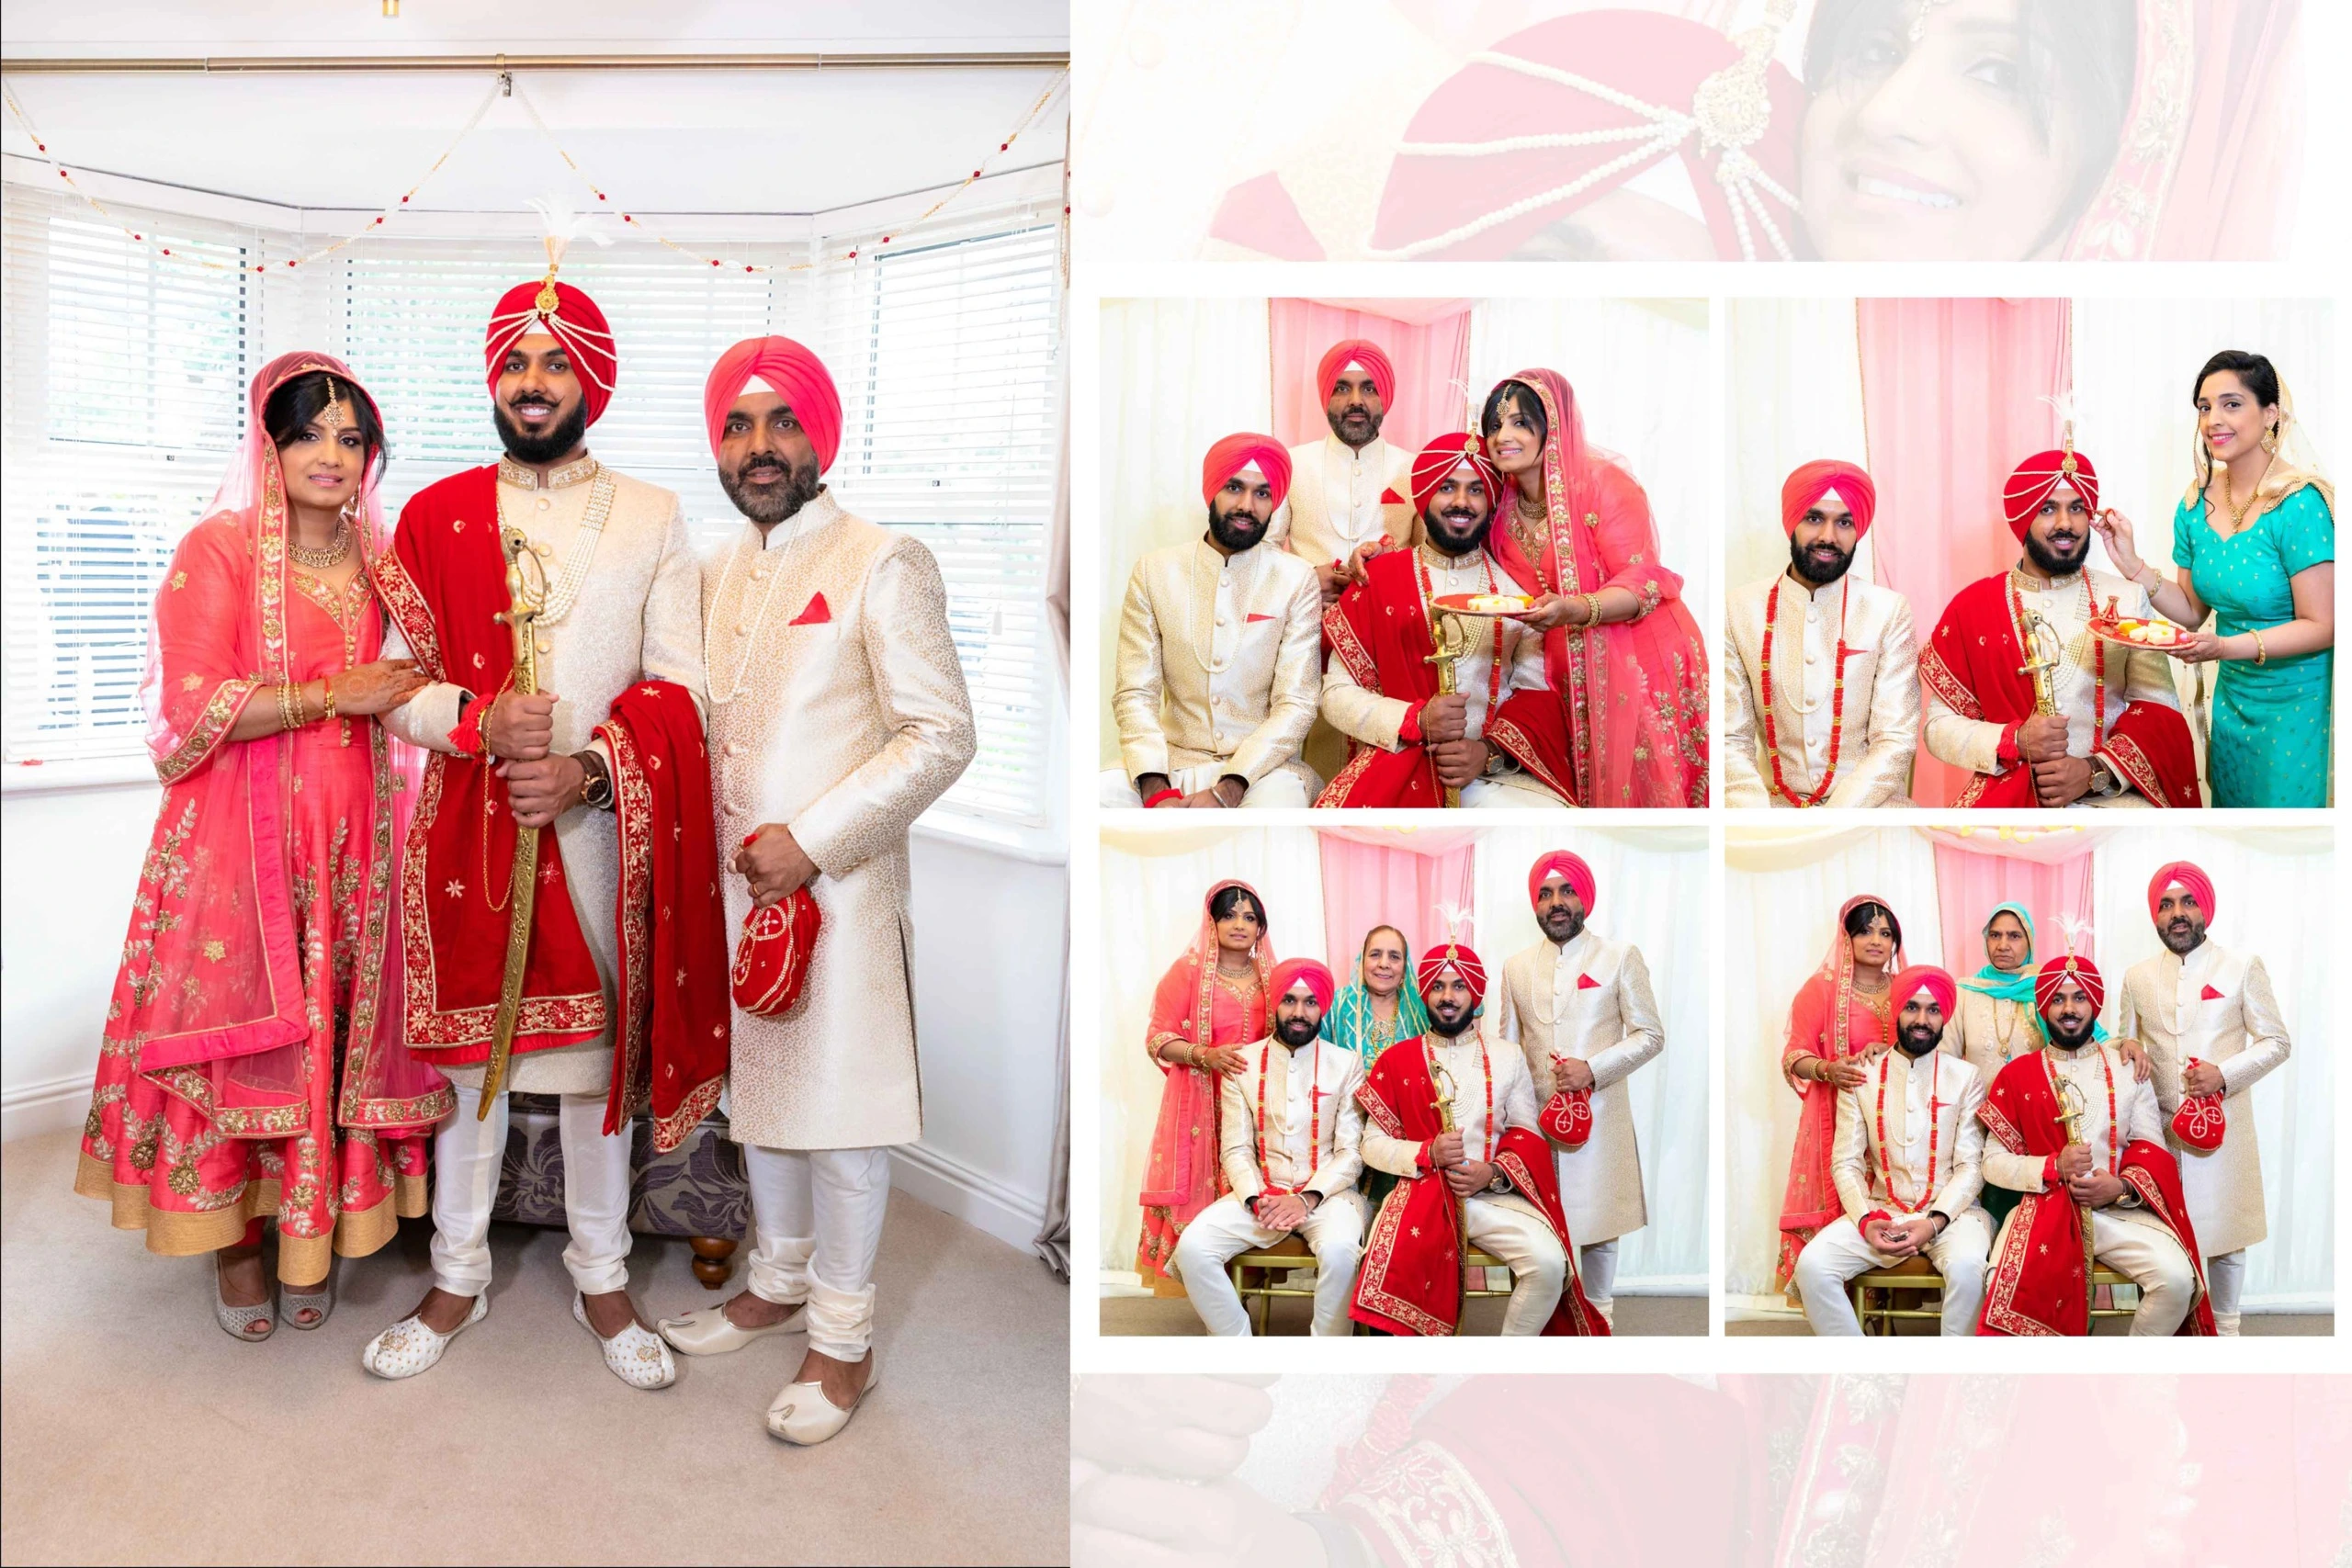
(1942, 146)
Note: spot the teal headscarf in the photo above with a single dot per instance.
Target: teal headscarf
(2018, 987)
(1351, 1023)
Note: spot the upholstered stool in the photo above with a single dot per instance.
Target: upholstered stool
(1256, 1273)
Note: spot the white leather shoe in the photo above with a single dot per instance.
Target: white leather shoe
(408, 1346)
(802, 1414)
(710, 1332)
(636, 1355)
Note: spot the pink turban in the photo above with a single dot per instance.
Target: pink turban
(794, 374)
(1814, 480)
(572, 319)
(1236, 452)
(1445, 455)
(2052, 975)
(1454, 956)
(1361, 351)
(1293, 972)
(2037, 477)
(2200, 885)
(1559, 863)
(1938, 983)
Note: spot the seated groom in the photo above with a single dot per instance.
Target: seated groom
(2112, 733)
(1907, 1160)
(1455, 1119)
(1220, 652)
(1500, 738)
(1290, 1126)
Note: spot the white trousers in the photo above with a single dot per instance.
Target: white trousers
(1512, 1228)
(466, 1155)
(1224, 1230)
(1598, 1265)
(2144, 1252)
(818, 1214)
(2225, 1278)
(1282, 787)
(1837, 1252)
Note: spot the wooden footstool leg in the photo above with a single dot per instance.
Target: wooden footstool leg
(714, 1260)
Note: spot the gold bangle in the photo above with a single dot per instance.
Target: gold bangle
(2260, 655)
(286, 719)
(1592, 609)
(326, 690)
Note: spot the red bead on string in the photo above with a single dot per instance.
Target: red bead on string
(1837, 700)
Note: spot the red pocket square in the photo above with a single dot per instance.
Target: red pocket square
(817, 615)
(1253, 620)
(2211, 995)
(1390, 497)
(1587, 982)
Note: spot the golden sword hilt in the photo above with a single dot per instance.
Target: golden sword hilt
(2045, 652)
(526, 595)
(1453, 643)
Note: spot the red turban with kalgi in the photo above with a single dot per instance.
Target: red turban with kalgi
(2054, 974)
(1560, 863)
(1246, 450)
(561, 312)
(1445, 455)
(1938, 983)
(780, 366)
(1292, 972)
(1366, 355)
(1814, 480)
(2038, 475)
(1450, 955)
(2181, 874)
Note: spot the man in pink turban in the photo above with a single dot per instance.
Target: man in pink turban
(615, 692)
(1290, 1126)
(2209, 1022)
(1220, 652)
(1497, 737)
(2071, 719)
(1351, 500)
(1907, 1160)
(1578, 1006)
(1821, 705)
(2083, 1142)
(838, 716)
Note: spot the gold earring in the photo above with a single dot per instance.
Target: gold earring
(2271, 440)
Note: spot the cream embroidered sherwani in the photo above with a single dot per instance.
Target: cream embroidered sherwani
(2166, 1009)
(1220, 660)
(1988, 1032)
(1612, 1026)
(638, 614)
(1334, 505)
(1376, 720)
(1934, 1146)
(839, 711)
(1313, 1130)
(2138, 675)
(1882, 726)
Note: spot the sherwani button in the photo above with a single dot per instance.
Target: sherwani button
(545, 503)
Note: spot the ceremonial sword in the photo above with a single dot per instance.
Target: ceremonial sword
(526, 597)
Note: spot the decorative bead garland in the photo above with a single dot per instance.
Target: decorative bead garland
(1837, 700)
(1315, 1111)
(1935, 1140)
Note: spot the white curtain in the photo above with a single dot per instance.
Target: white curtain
(1152, 886)
(1640, 367)
(1174, 376)
(1793, 394)
(2277, 889)
(1643, 880)
(1782, 893)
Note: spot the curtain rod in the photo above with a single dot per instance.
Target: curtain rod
(258, 63)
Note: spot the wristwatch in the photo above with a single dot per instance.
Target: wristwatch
(596, 790)
(2105, 783)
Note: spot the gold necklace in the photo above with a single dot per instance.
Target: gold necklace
(322, 558)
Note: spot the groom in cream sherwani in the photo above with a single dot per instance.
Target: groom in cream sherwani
(838, 715)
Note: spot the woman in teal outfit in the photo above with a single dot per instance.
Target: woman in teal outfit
(1378, 1008)
(2254, 540)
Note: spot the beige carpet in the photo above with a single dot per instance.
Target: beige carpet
(1175, 1314)
(133, 1430)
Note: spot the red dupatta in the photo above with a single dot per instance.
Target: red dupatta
(1820, 1024)
(1184, 1144)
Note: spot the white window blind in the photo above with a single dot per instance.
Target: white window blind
(125, 389)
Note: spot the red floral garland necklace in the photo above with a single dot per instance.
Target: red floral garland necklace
(1935, 1138)
(1837, 700)
(1315, 1111)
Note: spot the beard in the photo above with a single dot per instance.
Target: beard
(1918, 1040)
(1460, 1025)
(1562, 926)
(1810, 564)
(770, 504)
(2061, 1038)
(2050, 563)
(1237, 530)
(1295, 1031)
(1457, 533)
(1356, 428)
(525, 448)
(2182, 937)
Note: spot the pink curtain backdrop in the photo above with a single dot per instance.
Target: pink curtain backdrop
(1970, 881)
(1953, 395)
(1427, 340)
(1372, 883)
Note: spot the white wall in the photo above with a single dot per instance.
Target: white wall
(988, 988)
